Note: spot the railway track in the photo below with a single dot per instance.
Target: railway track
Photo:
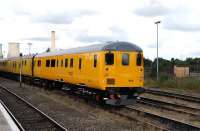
(154, 113)
(169, 115)
(165, 115)
(26, 116)
(136, 116)
(193, 112)
(167, 123)
(185, 97)
(140, 112)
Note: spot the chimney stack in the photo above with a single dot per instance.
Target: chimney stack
(53, 38)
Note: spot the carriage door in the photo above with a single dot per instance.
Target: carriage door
(110, 68)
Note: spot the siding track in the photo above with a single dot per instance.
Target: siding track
(27, 116)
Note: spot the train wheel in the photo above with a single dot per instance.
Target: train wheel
(41, 83)
(99, 99)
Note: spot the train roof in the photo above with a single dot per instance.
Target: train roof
(23, 57)
(108, 46)
(17, 58)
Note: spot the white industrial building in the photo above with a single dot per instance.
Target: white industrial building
(13, 49)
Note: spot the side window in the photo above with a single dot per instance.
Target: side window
(109, 58)
(71, 62)
(47, 63)
(61, 64)
(66, 62)
(125, 59)
(53, 63)
(80, 63)
(139, 59)
(95, 60)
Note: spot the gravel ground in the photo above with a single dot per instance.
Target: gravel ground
(73, 114)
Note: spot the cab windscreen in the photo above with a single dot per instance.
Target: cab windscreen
(109, 58)
(139, 59)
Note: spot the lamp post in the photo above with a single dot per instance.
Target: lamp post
(20, 75)
(157, 22)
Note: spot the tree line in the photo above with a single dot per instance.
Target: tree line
(167, 66)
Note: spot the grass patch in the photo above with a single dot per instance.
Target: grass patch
(188, 83)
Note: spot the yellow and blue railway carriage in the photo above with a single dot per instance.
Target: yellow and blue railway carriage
(113, 71)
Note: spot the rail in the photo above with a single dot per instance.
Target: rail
(26, 115)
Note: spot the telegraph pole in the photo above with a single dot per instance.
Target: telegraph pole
(157, 22)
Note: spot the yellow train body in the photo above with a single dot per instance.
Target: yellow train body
(12, 65)
(87, 73)
(107, 67)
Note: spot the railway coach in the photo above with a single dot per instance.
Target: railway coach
(111, 72)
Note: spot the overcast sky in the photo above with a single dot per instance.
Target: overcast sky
(85, 22)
